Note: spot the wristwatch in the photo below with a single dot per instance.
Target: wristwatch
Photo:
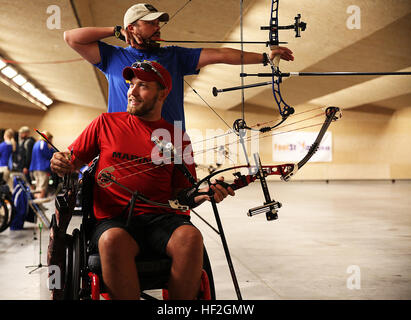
(265, 59)
(117, 33)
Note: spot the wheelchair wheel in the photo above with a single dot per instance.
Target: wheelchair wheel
(4, 215)
(68, 292)
(75, 271)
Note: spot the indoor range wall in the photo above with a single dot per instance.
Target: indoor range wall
(366, 145)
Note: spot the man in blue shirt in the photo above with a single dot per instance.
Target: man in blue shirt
(6, 149)
(141, 29)
(40, 165)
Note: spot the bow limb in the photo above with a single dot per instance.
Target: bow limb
(330, 116)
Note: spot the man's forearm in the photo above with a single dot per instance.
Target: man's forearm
(248, 57)
(88, 35)
(228, 56)
(233, 56)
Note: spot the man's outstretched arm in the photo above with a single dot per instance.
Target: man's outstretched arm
(233, 56)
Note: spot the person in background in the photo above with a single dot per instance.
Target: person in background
(7, 147)
(40, 164)
(21, 158)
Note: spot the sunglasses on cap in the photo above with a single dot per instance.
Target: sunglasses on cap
(147, 67)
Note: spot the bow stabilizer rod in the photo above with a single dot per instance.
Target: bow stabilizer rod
(216, 91)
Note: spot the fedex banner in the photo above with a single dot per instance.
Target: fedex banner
(293, 146)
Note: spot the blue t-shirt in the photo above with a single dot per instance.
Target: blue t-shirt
(41, 156)
(5, 152)
(178, 61)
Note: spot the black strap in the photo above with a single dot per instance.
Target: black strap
(118, 34)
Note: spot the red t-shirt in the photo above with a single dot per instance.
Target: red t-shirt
(124, 144)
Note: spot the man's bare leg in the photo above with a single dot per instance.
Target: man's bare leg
(185, 247)
(117, 253)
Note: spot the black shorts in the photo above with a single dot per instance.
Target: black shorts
(151, 231)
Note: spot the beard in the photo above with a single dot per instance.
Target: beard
(150, 44)
(139, 107)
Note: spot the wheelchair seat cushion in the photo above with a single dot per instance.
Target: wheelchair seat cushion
(153, 272)
(145, 265)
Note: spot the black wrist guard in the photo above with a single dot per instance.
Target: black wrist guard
(265, 59)
(117, 33)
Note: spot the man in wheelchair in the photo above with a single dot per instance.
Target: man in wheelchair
(124, 142)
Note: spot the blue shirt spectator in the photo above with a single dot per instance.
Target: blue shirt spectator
(5, 151)
(41, 156)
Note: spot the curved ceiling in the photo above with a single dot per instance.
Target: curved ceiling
(381, 44)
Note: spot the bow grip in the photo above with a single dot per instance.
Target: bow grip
(276, 61)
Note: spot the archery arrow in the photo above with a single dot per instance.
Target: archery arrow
(314, 74)
(216, 41)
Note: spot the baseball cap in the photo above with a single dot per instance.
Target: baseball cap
(145, 12)
(149, 71)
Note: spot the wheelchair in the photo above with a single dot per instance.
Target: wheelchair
(83, 276)
(7, 209)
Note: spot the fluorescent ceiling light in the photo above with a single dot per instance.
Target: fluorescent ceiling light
(9, 72)
(36, 93)
(19, 79)
(28, 87)
(42, 97)
(35, 96)
(46, 100)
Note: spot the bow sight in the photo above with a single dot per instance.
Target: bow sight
(270, 206)
(298, 26)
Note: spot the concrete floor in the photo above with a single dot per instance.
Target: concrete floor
(342, 240)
